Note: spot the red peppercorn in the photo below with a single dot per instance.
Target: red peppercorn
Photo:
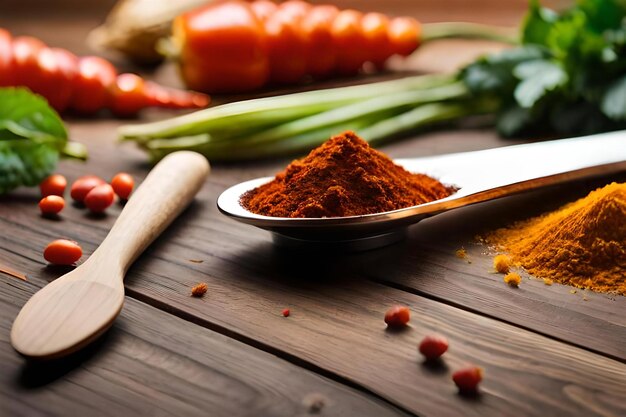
(51, 204)
(286, 312)
(53, 185)
(397, 316)
(433, 346)
(99, 198)
(468, 378)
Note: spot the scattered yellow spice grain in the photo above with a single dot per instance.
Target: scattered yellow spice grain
(572, 291)
(513, 279)
(199, 290)
(548, 281)
(461, 253)
(502, 263)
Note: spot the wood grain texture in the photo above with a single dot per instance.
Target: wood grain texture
(336, 324)
(152, 363)
(337, 303)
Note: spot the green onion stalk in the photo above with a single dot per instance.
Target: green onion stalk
(295, 123)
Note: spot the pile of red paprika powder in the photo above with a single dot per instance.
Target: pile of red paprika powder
(342, 177)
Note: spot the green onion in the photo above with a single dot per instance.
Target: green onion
(288, 124)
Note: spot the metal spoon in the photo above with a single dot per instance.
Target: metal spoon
(480, 176)
(76, 308)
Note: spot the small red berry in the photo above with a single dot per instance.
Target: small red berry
(62, 252)
(83, 185)
(286, 312)
(51, 204)
(468, 378)
(99, 198)
(397, 316)
(122, 184)
(53, 185)
(433, 346)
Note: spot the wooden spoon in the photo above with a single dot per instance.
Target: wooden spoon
(76, 308)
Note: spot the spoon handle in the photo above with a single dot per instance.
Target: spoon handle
(526, 166)
(166, 191)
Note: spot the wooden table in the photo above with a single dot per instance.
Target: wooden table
(546, 350)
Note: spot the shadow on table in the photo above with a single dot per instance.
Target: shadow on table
(37, 374)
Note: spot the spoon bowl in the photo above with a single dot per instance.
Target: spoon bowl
(478, 176)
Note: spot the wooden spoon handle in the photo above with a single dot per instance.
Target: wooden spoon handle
(166, 191)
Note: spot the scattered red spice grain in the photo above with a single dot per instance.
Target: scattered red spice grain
(99, 198)
(433, 346)
(461, 253)
(123, 184)
(468, 378)
(199, 290)
(502, 263)
(62, 252)
(53, 185)
(83, 185)
(12, 272)
(397, 316)
(513, 279)
(286, 312)
(52, 204)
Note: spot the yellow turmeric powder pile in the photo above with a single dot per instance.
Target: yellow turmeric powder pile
(582, 244)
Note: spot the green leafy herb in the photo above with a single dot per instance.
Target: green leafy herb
(32, 137)
(577, 85)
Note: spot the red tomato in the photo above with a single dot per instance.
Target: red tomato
(128, 95)
(350, 40)
(26, 52)
(375, 29)
(83, 185)
(51, 204)
(53, 185)
(287, 43)
(230, 31)
(99, 198)
(404, 34)
(122, 184)
(92, 83)
(7, 70)
(62, 252)
(322, 51)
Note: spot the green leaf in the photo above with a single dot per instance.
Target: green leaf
(539, 77)
(537, 24)
(603, 14)
(614, 101)
(494, 73)
(32, 136)
(25, 115)
(25, 163)
(514, 121)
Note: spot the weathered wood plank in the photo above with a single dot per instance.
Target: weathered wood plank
(426, 264)
(152, 363)
(336, 323)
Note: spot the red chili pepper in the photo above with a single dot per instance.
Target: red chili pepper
(234, 46)
(85, 85)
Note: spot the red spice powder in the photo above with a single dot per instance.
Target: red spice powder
(342, 177)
